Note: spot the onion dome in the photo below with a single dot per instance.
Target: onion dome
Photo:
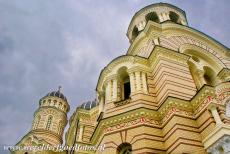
(56, 94)
(89, 105)
(55, 99)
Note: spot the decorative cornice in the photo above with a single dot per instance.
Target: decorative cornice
(123, 102)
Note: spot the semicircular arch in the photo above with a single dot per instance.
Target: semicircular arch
(193, 50)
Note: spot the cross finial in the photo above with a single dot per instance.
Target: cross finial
(59, 88)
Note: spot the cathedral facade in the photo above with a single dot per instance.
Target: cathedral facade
(170, 94)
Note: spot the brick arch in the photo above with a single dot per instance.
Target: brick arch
(203, 54)
(175, 42)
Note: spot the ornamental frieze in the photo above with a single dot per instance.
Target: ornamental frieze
(175, 111)
(136, 122)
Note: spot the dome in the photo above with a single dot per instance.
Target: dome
(89, 105)
(56, 94)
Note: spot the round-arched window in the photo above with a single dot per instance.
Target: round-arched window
(152, 16)
(135, 32)
(124, 148)
(124, 84)
(174, 17)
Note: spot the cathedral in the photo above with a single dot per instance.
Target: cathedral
(170, 94)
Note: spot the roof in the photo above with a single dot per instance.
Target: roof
(89, 105)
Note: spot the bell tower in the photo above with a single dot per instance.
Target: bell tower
(49, 121)
(50, 118)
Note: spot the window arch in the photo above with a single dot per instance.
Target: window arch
(209, 75)
(124, 88)
(49, 121)
(203, 66)
(193, 69)
(124, 148)
(135, 32)
(174, 17)
(152, 16)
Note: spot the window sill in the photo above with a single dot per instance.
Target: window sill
(123, 102)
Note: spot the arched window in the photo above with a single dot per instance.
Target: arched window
(228, 109)
(49, 121)
(124, 84)
(152, 16)
(174, 17)
(37, 121)
(135, 32)
(124, 148)
(209, 75)
(60, 127)
(49, 101)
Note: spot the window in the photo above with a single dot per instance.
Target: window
(127, 90)
(174, 17)
(50, 118)
(209, 75)
(152, 16)
(124, 148)
(135, 33)
(124, 88)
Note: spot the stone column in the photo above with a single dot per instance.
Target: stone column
(138, 81)
(80, 133)
(132, 83)
(102, 103)
(108, 91)
(161, 17)
(200, 74)
(164, 14)
(215, 114)
(114, 90)
(144, 82)
(141, 25)
(167, 16)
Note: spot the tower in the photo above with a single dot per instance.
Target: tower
(49, 122)
(169, 93)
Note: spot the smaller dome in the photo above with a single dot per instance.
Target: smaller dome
(89, 105)
(56, 94)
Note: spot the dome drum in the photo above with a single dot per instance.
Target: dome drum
(157, 13)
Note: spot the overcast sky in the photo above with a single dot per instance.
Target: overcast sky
(44, 44)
